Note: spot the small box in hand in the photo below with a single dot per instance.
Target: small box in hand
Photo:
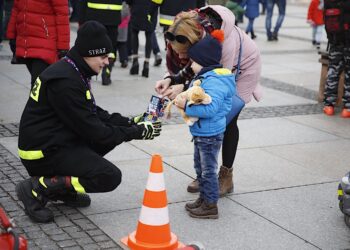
(155, 108)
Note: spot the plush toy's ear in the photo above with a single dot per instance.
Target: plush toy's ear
(197, 82)
(207, 99)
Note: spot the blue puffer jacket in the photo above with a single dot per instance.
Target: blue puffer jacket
(220, 85)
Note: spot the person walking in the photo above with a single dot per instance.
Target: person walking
(63, 134)
(39, 36)
(143, 18)
(107, 12)
(251, 12)
(337, 22)
(315, 19)
(239, 53)
(281, 4)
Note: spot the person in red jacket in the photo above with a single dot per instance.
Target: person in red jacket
(315, 18)
(39, 33)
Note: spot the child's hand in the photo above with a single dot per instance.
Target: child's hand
(180, 101)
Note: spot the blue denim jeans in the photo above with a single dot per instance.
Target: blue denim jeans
(281, 4)
(206, 152)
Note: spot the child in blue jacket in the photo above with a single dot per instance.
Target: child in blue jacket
(208, 131)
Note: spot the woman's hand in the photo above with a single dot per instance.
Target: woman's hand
(180, 101)
(162, 85)
(173, 91)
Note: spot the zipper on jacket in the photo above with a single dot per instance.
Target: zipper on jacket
(45, 27)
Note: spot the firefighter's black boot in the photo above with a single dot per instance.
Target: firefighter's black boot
(34, 201)
(106, 75)
(61, 188)
(145, 69)
(134, 70)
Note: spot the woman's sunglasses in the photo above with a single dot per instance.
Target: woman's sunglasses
(179, 38)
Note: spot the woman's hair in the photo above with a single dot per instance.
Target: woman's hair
(186, 24)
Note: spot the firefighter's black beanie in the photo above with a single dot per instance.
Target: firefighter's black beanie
(92, 40)
(206, 52)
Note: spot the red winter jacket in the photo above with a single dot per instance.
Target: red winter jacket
(314, 13)
(40, 27)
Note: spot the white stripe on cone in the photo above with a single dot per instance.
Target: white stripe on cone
(155, 182)
(154, 216)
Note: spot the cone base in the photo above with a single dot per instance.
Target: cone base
(134, 244)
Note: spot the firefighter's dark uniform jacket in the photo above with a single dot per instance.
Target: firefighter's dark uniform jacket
(60, 112)
(170, 8)
(107, 12)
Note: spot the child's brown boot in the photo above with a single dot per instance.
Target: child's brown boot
(205, 211)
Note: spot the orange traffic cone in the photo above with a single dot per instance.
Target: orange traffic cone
(153, 228)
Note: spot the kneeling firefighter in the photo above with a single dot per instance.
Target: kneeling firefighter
(64, 135)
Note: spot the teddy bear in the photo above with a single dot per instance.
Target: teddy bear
(194, 95)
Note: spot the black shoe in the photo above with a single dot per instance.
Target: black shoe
(253, 36)
(106, 76)
(134, 70)
(157, 60)
(275, 36)
(124, 64)
(73, 199)
(145, 69)
(313, 42)
(33, 206)
(270, 38)
(318, 45)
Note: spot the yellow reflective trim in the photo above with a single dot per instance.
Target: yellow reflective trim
(340, 192)
(157, 1)
(41, 180)
(111, 55)
(88, 95)
(34, 193)
(148, 18)
(34, 93)
(166, 21)
(77, 186)
(222, 71)
(102, 6)
(108, 71)
(31, 154)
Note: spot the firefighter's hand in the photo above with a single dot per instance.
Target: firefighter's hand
(137, 119)
(150, 129)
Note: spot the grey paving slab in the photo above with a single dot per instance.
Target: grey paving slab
(237, 228)
(310, 212)
(11, 144)
(331, 124)
(277, 98)
(329, 158)
(175, 140)
(277, 131)
(13, 100)
(129, 194)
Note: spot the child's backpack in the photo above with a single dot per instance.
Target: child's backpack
(344, 198)
(9, 239)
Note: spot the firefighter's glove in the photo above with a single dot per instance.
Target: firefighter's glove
(137, 119)
(150, 129)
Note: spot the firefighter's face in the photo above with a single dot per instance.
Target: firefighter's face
(97, 63)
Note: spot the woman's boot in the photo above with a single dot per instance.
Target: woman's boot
(134, 70)
(145, 69)
(225, 180)
(253, 36)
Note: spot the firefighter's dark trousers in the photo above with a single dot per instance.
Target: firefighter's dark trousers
(95, 173)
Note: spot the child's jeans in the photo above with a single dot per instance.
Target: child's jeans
(206, 152)
(317, 33)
